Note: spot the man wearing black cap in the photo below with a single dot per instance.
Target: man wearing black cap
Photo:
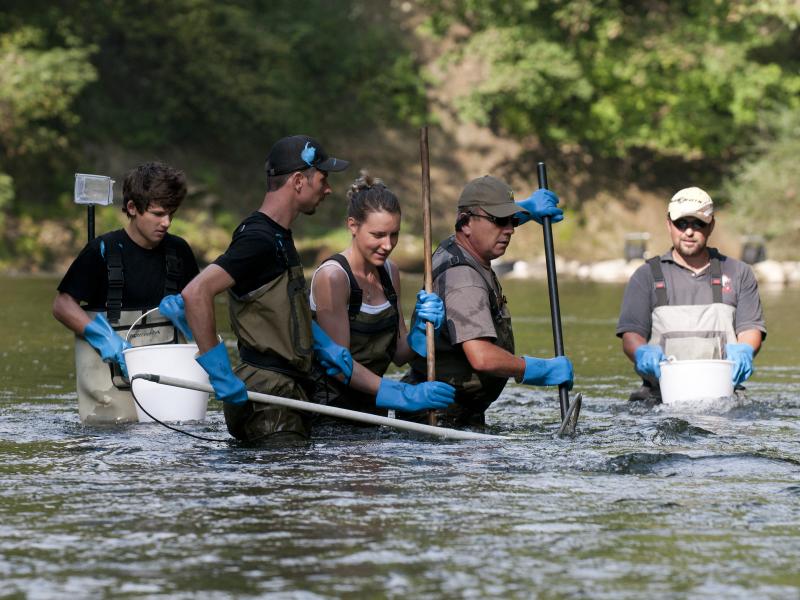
(475, 351)
(267, 298)
(270, 312)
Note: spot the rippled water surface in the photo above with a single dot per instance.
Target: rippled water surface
(644, 502)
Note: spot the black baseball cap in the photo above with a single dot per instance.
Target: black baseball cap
(299, 152)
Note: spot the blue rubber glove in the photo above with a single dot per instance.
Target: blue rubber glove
(548, 371)
(542, 203)
(172, 307)
(648, 357)
(334, 358)
(428, 309)
(742, 357)
(397, 395)
(227, 386)
(107, 342)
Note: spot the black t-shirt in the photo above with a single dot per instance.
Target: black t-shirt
(260, 251)
(144, 273)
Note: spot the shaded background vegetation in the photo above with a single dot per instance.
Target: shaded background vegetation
(656, 94)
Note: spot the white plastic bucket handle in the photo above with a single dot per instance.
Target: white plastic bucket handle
(152, 310)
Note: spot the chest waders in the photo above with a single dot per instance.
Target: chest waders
(373, 341)
(691, 332)
(474, 391)
(273, 328)
(103, 395)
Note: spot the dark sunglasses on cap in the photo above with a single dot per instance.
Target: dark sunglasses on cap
(499, 221)
(684, 224)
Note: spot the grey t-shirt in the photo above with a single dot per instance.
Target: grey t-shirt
(466, 298)
(465, 293)
(739, 289)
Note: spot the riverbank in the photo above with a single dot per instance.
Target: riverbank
(768, 273)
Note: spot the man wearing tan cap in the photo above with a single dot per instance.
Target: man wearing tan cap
(475, 348)
(691, 302)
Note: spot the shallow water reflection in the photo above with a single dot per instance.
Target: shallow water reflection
(644, 502)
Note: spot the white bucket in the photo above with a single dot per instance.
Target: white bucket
(692, 380)
(164, 402)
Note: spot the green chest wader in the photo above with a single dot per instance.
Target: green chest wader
(692, 332)
(474, 391)
(373, 341)
(273, 327)
(103, 395)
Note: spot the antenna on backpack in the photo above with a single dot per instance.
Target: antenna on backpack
(93, 190)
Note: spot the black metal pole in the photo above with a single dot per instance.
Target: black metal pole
(552, 287)
(90, 221)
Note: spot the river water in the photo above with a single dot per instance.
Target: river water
(644, 502)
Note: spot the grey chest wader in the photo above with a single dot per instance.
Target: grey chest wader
(373, 341)
(474, 391)
(103, 395)
(273, 327)
(691, 332)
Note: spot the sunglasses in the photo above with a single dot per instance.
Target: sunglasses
(684, 224)
(499, 221)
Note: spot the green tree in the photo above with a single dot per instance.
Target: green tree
(678, 78)
(38, 87)
(764, 191)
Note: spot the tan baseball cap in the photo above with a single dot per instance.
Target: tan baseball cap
(691, 202)
(492, 195)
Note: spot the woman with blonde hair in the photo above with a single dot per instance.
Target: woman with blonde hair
(354, 298)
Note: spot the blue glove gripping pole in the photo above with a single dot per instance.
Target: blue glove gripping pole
(742, 357)
(227, 386)
(428, 309)
(102, 337)
(548, 371)
(648, 357)
(396, 395)
(333, 357)
(173, 308)
(542, 203)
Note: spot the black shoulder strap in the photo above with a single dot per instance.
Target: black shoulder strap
(173, 267)
(716, 280)
(457, 258)
(387, 285)
(660, 285)
(116, 275)
(356, 294)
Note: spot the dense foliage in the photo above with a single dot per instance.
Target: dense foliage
(212, 82)
(225, 76)
(683, 78)
(765, 190)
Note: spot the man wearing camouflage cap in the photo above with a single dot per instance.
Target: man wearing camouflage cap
(691, 302)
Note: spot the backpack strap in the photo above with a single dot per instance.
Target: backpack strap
(356, 293)
(174, 267)
(116, 275)
(716, 280)
(388, 290)
(660, 284)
